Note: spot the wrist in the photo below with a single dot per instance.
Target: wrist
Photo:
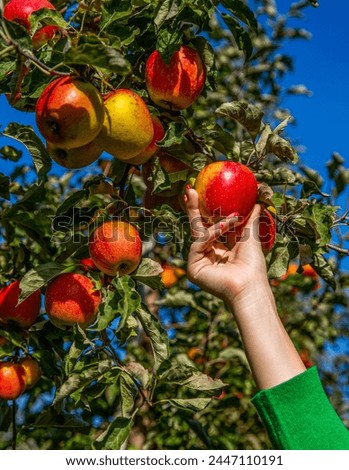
(250, 296)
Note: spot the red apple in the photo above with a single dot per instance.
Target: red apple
(171, 165)
(12, 381)
(72, 298)
(224, 188)
(78, 157)
(175, 85)
(116, 247)
(19, 12)
(32, 371)
(159, 134)
(127, 128)
(70, 112)
(25, 313)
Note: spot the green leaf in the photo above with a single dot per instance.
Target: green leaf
(248, 115)
(95, 53)
(279, 260)
(324, 269)
(129, 298)
(4, 186)
(156, 334)
(72, 200)
(202, 382)
(281, 148)
(10, 153)
(168, 9)
(45, 16)
(26, 136)
(37, 277)
(241, 11)
(148, 272)
(128, 392)
(81, 379)
(169, 41)
(242, 38)
(115, 435)
(190, 404)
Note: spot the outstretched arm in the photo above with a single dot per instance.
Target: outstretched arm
(239, 277)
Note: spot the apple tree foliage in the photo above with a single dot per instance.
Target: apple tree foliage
(162, 368)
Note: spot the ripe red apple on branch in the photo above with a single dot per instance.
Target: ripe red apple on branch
(19, 12)
(72, 298)
(116, 247)
(32, 371)
(23, 314)
(12, 380)
(70, 112)
(128, 128)
(178, 84)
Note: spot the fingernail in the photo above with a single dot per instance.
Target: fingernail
(188, 186)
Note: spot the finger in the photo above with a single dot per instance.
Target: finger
(221, 227)
(251, 229)
(198, 230)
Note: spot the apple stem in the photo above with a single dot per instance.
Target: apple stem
(14, 426)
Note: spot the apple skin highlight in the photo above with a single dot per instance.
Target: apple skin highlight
(176, 85)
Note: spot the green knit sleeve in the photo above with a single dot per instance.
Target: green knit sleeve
(298, 415)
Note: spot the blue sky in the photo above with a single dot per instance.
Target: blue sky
(322, 65)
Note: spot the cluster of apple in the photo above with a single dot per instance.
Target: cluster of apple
(16, 377)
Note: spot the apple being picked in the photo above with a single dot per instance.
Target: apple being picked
(72, 298)
(116, 247)
(148, 152)
(178, 84)
(128, 128)
(23, 314)
(12, 380)
(69, 112)
(224, 188)
(19, 12)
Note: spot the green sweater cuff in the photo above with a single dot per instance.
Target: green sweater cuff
(298, 415)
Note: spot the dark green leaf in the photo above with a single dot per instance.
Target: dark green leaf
(148, 272)
(115, 435)
(281, 148)
(37, 277)
(324, 269)
(10, 153)
(72, 200)
(97, 54)
(243, 40)
(4, 186)
(128, 392)
(129, 298)
(168, 9)
(248, 115)
(27, 136)
(156, 334)
(242, 11)
(190, 404)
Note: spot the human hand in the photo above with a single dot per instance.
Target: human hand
(224, 272)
